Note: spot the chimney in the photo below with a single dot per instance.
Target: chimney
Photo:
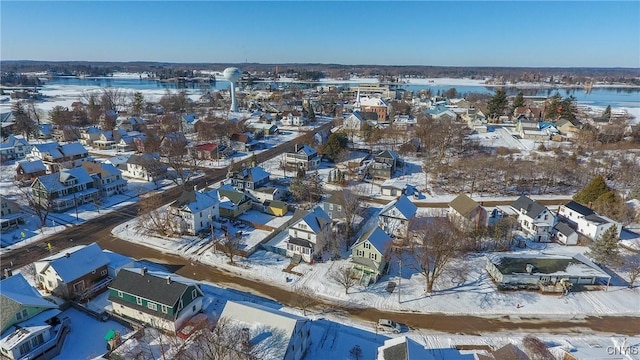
(67, 255)
(168, 280)
(144, 271)
(590, 205)
(8, 272)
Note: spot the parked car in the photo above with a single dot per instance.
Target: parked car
(389, 326)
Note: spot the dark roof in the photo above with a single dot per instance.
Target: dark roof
(564, 229)
(301, 242)
(463, 204)
(531, 208)
(595, 218)
(187, 197)
(509, 352)
(397, 352)
(578, 208)
(149, 286)
(337, 197)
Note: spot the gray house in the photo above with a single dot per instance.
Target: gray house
(384, 164)
(334, 206)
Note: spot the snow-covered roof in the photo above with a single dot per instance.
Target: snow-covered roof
(255, 174)
(116, 260)
(30, 167)
(307, 150)
(575, 266)
(403, 205)
(270, 319)
(315, 219)
(19, 335)
(13, 141)
(19, 290)
(55, 182)
(377, 237)
(76, 261)
(51, 148)
(372, 101)
(195, 201)
(74, 148)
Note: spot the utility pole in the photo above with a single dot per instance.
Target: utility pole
(399, 280)
(75, 201)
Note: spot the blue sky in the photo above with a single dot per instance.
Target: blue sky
(454, 33)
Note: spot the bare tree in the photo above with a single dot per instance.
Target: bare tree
(536, 349)
(230, 245)
(151, 217)
(38, 199)
(184, 163)
(227, 340)
(631, 265)
(435, 243)
(351, 206)
(303, 297)
(113, 99)
(344, 276)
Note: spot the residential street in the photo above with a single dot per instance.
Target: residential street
(99, 230)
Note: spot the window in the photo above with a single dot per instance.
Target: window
(93, 271)
(119, 293)
(37, 341)
(180, 305)
(25, 348)
(331, 206)
(193, 308)
(152, 306)
(373, 256)
(103, 272)
(367, 245)
(360, 253)
(194, 294)
(138, 300)
(164, 309)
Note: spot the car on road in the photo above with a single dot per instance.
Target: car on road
(389, 326)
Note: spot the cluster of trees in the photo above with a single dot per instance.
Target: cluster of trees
(558, 107)
(16, 79)
(307, 187)
(604, 200)
(607, 251)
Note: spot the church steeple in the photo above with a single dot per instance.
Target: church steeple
(356, 106)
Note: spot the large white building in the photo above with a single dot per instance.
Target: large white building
(586, 221)
(194, 211)
(534, 218)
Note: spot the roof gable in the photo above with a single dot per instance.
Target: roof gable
(529, 207)
(77, 261)
(403, 205)
(463, 204)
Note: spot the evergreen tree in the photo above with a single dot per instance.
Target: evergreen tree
(607, 113)
(605, 250)
(23, 123)
(551, 110)
(336, 143)
(497, 103)
(138, 103)
(568, 108)
(518, 101)
(610, 204)
(591, 192)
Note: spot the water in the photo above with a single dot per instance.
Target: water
(599, 96)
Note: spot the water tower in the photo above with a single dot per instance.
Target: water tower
(232, 75)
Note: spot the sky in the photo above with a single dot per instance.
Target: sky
(453, 33)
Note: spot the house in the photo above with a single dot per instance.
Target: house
(144, 167)
(14, 148)
(249, 179)
(108, 139)
(242, 142)
(394, 218)
(264, 128)
(565, 234)
(28, 171)
(308, 234)
(586, 221)
(370, 255)
(545, 273)
(528, 112)
(173, 144)
(207, 151)
(293, 118)
(281, 335)
(33, 338)
(321, 137)
(106, 178)
(530, 129)
(354, 121)
(534, 218)
(404, 348)
(155, 298)
(233, 203)
(44, 132)
(75, 273)
(65, 189)
(12, 215)
(130, 123)
(89, 135)
(384, 164)
(303, 157)
(20, 301)
(267, 193)
(275, 208)
(395, 187)
(467, 214)
(194, 211)
(56, 156)
(334, 205)
(566, 127)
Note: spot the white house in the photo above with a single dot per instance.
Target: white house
(14, 148)
(565, 234)
(394, 217)
(56, 156)
(534, 218)
(308, 234)
(354, 121)
(194, 211)
(586, 221)
(276, 334)
(293, 118)
(144, 167)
